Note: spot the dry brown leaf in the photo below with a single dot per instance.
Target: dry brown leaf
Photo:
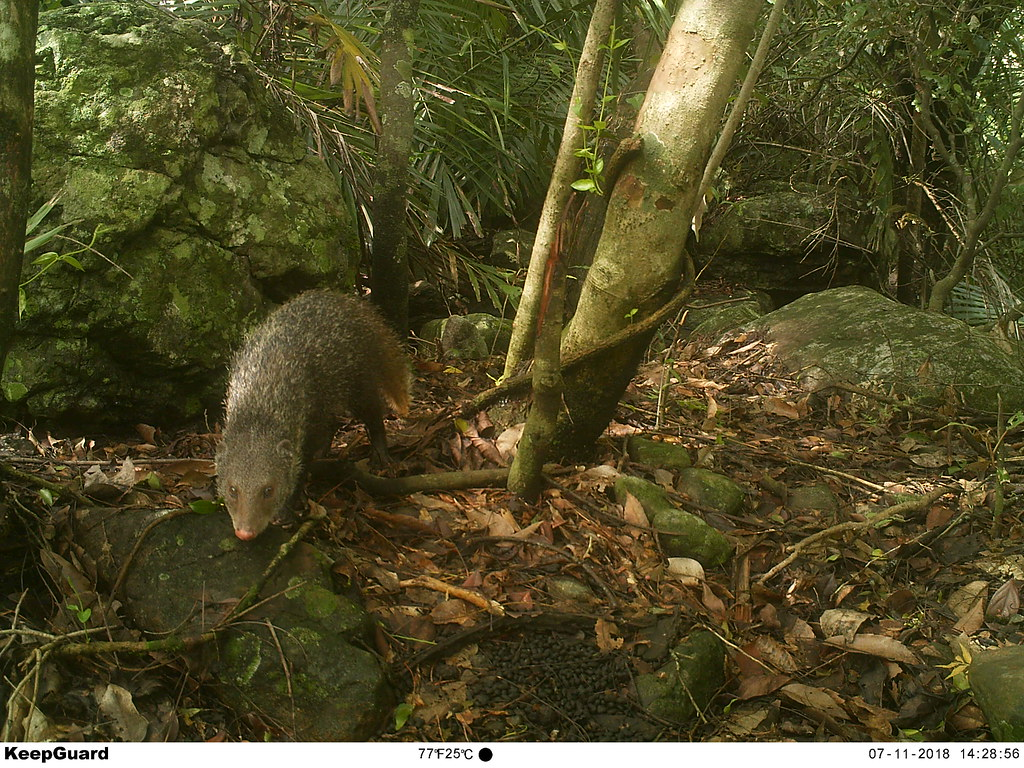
(799, 631)
(633, 513)
(745, 721)
(686, 569)
(774, 654)
(965, 598)
(1006, 601)
(937, 517)
(876, 645)
(713, 603)
(781, 407)
(450, 612)
(818, 699)
(606, 636)
(760, 685)
(497, 522)
(116, 703)
(508, 441)
(664, 478)
(877, 720)
(973, 620)
(745, 348)
(842, 621)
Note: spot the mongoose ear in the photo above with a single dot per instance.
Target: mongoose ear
(284, 448)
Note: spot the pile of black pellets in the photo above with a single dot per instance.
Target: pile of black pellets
(554, 686)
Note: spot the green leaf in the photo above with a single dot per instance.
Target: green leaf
(38, 240)
(47, 496)
(36, 218)
(584, 185)
(71, 261)
(402, 713)
(204, 507)
(46, 259)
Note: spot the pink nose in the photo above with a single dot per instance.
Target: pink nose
(244, 534)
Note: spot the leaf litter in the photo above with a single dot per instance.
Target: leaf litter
(502, 619)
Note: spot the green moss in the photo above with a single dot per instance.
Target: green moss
(203, 189)
(681, 533)
(319, 602)
(242, 655)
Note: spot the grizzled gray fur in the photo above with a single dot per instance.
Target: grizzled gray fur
(312, 361)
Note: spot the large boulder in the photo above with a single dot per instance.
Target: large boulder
(854, 335)
(205, 202)
(787, 239)
(299, 658)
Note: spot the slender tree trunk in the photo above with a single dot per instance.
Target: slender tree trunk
(390, 279)
(640, 258)
(978, 215)
(18, 20)
(580, 112)
(541, 312)
(524, 477)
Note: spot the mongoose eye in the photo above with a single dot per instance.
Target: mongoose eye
(233, 491)
(268, 491)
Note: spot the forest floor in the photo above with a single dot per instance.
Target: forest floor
(842, 621)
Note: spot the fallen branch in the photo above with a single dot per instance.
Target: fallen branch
(473, 598)
(913, 505)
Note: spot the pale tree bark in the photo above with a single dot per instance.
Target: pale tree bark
(640, 257)
(389, 282)
(567, 165)
(18, 20)
(739, 106)
(541, 308)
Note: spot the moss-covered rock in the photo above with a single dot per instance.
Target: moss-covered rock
(709, 316)
(681, 533)
(710, 489)
(300, 657)
(469, 337)
(854, 335)
(769, 239)
(654, 453)
(682, 689)
(997, 680)
(205, 203)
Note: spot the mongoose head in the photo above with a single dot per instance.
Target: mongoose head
(258, 478)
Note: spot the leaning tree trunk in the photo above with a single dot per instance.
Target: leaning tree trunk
(567, 164)
(390, 279)
(540, 311)
(640, 257)
(18, 19)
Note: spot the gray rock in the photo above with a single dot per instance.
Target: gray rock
(854, 335)
(997, 681)
(200, 186)
(311, 672)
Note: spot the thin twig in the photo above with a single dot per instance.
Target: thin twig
(913, 505)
